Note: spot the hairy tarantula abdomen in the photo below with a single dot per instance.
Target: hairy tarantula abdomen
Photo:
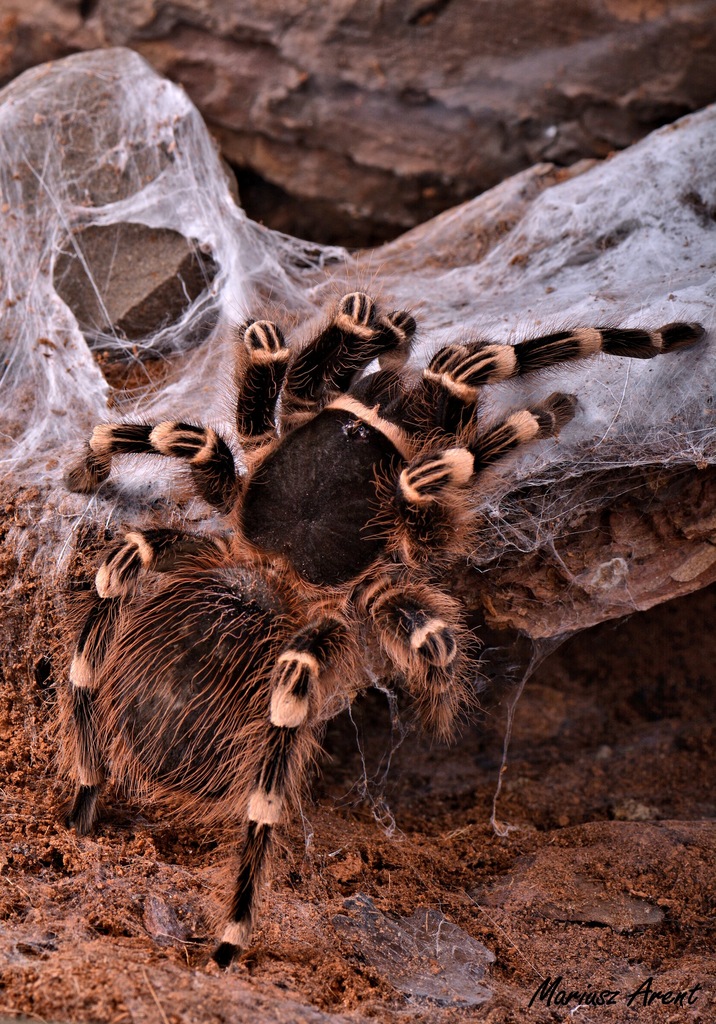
(206, 666)
(186, 681)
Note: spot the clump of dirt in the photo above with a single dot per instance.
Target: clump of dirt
(602, 882)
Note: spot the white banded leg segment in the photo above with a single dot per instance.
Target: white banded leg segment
(544, 420)
(82, 673)
(328, 364)
(116, 576)
(554, 413)
(583, 342)
(399, 329)
(293, 676)
(237, 933)
(638, 344)
(428, 476)
(356, 315)
(502, 439)
(434, 640)
(184, 441)
(261, 365)
(265, 808)
(81, 738)
(106, 440)
(264, 342)
(416, 623)
(208, 455)
(615, 341)
(283, 754)
(560, 347)
(88, 770)
(462, 369)
(244, 900)
(92, 644)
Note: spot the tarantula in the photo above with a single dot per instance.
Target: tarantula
(206, 665)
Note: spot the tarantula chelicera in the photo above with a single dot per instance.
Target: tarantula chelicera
(207, 665)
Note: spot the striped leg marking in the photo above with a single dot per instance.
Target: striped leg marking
(297, 669)
(261, 363)
(428, 476)
(414, 628)
(208, 456)
(545, 420)
(142, 550)
(81, 738)
(357, 334)
(117, 575)
(462, 369)
(420, 630)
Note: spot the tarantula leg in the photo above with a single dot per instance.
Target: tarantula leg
(420, 630)
(81, 743)
(457, 372)
(261, 362)
(287, 744)
(565, 346)
(430, 512)
(209, 457)
(427, 476)
(142, 550)
(416, 624)
(355, 336)
(543, 420)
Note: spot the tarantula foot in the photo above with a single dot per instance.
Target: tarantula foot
(428, 476)
(554, 413)
(264, 341)
(680, 335)
(356, 314)
(434, 641)
(82, 812)
(88, 473)
(439, 714)
(224, 954)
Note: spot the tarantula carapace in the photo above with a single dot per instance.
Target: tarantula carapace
(207, 665)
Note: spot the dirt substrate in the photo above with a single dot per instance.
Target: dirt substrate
(604, 880)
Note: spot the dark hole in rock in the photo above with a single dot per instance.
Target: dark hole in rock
(125, 282)
(314, 220)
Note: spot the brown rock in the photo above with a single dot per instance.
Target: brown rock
(129, 279)
(366, 119)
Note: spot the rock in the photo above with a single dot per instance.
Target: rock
(368, 118)
(618, 515)
(162, 923)
(111, 291)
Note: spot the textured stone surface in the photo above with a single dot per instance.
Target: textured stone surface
(128, 278)
(366, 118)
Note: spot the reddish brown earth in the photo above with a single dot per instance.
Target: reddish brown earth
(605, 879)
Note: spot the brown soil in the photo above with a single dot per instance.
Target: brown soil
(604, 879)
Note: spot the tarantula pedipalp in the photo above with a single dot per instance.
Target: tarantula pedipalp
(206, 666)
